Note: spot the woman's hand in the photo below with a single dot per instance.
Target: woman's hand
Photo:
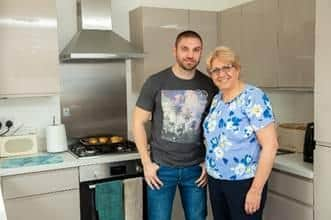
(252, 201)
(150, 173)
(202, 180)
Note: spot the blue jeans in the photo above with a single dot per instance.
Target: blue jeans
(193, 197)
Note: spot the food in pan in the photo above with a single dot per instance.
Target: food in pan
(92, 140)
(116, 139)
(103, 140)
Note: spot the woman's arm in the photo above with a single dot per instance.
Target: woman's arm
(267, 138)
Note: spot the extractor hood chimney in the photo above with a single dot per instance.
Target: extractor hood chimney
(96, 40)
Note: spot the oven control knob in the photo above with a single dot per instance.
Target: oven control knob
(139, 169)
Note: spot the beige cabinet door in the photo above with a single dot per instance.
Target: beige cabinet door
(230, 28)
(322, 182)
(278, 207)
(296, 43)
(259, 43)
(29, 49)
(205, 23)
(156, 34)
(53, 206)
(322, 72)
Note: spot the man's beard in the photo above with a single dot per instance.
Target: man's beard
(187, 67)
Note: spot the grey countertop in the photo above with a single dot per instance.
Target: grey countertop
(293, 163)
(68, 161)
(290, 163)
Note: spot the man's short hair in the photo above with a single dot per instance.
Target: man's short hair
(187, 34)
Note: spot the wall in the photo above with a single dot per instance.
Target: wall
(292, 106)
(31, 114)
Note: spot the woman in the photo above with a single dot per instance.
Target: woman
(241, 141)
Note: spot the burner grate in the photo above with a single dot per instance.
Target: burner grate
(93, 150)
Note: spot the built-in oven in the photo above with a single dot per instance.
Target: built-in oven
(91, 175)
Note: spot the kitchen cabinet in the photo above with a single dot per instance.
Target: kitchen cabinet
(322, 73)
(289, 197)
(259, 43)
(275, 45)
(296, 43)
(154, 31)
(230, 24)
(205, 23)
(42, 195)
(322, 153)
(29, 49)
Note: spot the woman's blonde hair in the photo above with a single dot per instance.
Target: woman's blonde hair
(225, 54)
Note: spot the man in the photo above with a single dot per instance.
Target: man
(175, 99)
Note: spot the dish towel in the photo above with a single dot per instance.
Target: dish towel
(133, 197)
(109, 200)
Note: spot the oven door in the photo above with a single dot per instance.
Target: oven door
(133, 198)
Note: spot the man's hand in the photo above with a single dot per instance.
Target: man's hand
(252, 201)
(150, 173)
(202, 180)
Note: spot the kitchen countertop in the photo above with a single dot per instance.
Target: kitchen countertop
(293, 163)
(68, 161)
(289, 163)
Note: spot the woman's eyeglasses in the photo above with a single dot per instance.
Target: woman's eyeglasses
(225, 69)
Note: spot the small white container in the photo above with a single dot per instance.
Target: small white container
(56, 138)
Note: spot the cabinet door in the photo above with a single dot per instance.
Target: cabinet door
(230, 28)
(296, 43)
(205, 23)
(322, 72)
(53, 206)
(29, 50)
(322, 182)
(278, 207)
(159, 28)
(259, 43)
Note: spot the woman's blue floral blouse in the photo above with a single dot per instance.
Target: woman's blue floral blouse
(230, 133)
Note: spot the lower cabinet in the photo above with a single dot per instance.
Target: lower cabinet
(290, 197)
(279, 207)
(51, 195)
(52, 206)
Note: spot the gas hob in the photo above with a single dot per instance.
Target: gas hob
(82, 151)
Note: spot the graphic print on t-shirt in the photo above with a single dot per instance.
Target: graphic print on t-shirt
(182, 111)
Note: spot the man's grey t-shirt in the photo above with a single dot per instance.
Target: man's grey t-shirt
(178, 107)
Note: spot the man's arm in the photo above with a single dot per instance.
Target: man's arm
(140, 117)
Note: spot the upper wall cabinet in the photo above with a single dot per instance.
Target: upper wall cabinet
(274, 39)
(230, 28)
(205, 23)
(154, 31)
(322, 81)
(259, 43)
(29, 49)
(296, 43)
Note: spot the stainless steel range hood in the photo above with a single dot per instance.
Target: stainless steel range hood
(96, 40)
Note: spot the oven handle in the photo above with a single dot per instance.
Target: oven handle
(91, 186)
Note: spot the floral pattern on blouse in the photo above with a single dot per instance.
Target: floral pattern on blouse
(230, 133)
